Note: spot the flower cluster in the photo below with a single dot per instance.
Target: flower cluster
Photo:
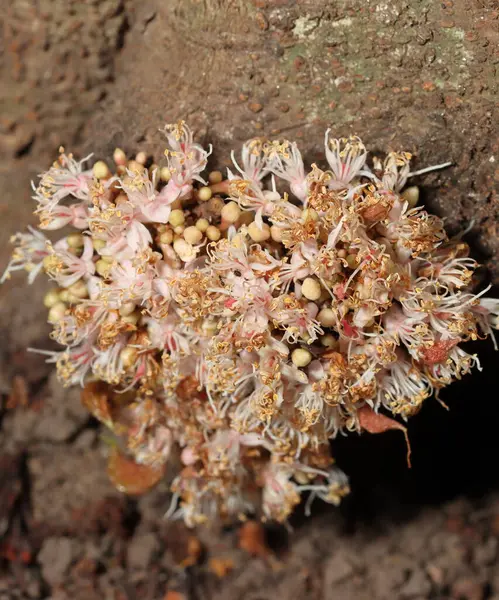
(231, 328)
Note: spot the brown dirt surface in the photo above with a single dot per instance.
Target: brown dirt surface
(417, 75)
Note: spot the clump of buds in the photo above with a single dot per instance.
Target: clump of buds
(232, 328)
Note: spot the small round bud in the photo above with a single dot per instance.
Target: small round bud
(411, 195)
(311, 289)
(215, 177)
(64, 295)
(101, 170)
(257, 234)
(302, 478)
(132, 318)
(56, 312)
(326, 317)
(135, 166)
(204, 193)
(342, 253)
(176, 218)
(328, 341)
(166, 237)
(301, 357)
(79, 289)
(103, 267)
(75, 240)
(276, 233)
(213, 233)
(76, 251)
(202, 224)
(127, 308)
(119, 157)
(192, 235)
(129, 356)
(141, 158)
(165, 174)
(179, 229)
(352, 261)
(231, 212)
(98, 244)
(51, 298)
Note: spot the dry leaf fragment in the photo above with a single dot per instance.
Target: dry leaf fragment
(132, 478)
(374, 422)
(221, 567)
(173, 595)
(95, 397)
(19, 393)
(252, 539)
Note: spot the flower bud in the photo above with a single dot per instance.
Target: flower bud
(101, 170)
(176, 218)
(326, 317)
(51, 298)
(202, 224)
(165, 174)
(57, 312)
(311, 289)
(231, 212)
(119, 157)
(215, 177)
(301, 357)
(328, 341)
(103, 267)
(204, 193)
(132, 318)
(276, 233)
(141, 158)
(166, 237)
(192, 235)
(411, 195)
(213, 233)
(79, 289)
(257, 234)
(127, 308)
(75, 240)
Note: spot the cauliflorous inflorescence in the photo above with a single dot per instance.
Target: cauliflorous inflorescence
(231, 328)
